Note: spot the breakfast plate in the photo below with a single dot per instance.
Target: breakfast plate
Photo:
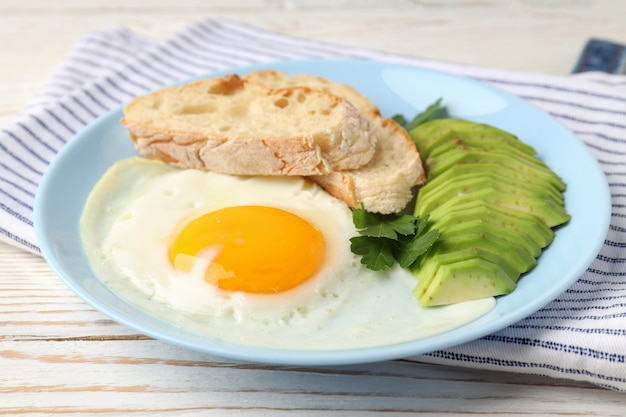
(396, 89)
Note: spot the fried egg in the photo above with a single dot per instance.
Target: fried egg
(264, 261)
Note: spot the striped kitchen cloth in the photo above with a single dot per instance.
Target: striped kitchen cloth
(581, 335)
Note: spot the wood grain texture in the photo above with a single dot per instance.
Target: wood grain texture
(528, 35)
(58, 356)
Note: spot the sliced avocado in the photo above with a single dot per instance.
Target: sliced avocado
(465, 126)
(487, 140)
(455, 235)
(429, 131)
(494, 204)
(494, 197)
(515, 178)
(424, 269)
(508, 195)
(462, 178)
(535, 172)
(466, 280)
(511, 259)
(494, 248)
(433, 197)
(503, 149)
(518, 222)
(428, 271)
(426, 134)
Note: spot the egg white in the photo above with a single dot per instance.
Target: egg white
(131, 213)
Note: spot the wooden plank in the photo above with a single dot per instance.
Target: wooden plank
(148, 376)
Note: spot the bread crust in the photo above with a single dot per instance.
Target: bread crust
(217, 124)
(276, 79)
(385, 184)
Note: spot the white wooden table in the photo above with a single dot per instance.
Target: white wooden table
(58, 356)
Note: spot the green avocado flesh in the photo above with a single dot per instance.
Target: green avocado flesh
(483, 140)
(498, 192)
(494, 203)
(476, 170)
(429, 132)
(530, 167)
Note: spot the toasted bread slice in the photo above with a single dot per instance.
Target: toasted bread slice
(232, 126)
(385, 184)
(278, 79)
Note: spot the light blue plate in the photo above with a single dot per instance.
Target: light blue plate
(395, 89)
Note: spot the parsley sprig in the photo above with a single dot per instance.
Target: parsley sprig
(386, 239)
(432, 112)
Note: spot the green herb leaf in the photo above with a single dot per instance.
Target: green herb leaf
(400, 119)
(376, 253)
(385, 239)
(432, 112)
(410, 249)
(362, 218)
(383, 226)
(421, 225)
(390, 227)
(403, 225)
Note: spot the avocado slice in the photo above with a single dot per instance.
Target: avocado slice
(440, 191)
(428, 132)
(423, 134)
(495, 248)
(535, 206)
(516, 221)
(503, 149)
(475, 243)
(474, 232)
(428, 272)
(486, 141)
(533, 170)
(515, 178)
(466, 280)
(471, 184)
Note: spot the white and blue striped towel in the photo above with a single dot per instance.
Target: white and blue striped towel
(581, 335)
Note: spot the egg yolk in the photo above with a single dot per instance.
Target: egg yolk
(255, 249)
